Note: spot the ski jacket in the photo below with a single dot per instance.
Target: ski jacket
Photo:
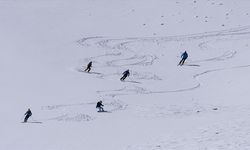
(99, 104)
(184, 55)
(89, 65)
(28, 113)
(126, 73)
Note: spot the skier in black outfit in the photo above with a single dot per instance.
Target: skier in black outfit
(184, 56)
(99, 105)
(88, 67)
(28, 114)
(125, 75)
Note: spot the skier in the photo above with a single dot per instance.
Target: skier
(125, 75)
(28, 114)
(88, 67)
(184, 56)
(99, 105)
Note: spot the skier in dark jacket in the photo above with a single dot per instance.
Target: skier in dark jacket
(125, 75)
(99, 105)
(88, 67)
(28, 114)
(184, 56)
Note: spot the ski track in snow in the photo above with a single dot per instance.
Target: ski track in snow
(81, 111)
(52, 107)
(121, 47)
(120, 54)
(73, 117)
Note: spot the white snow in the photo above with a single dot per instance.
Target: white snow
(46, 44)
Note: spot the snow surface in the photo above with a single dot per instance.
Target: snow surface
(46, 44)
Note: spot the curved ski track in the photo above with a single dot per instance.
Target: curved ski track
(119, 54)
(120, 47)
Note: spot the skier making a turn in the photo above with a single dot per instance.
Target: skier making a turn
(28, 114)
(99, 105)
(184, 56)
(125, 75)
(88, 67)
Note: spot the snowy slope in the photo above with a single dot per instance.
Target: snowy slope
(46, 45)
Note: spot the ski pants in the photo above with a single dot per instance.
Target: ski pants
(26, 118)
(182, 61)
(100, 108)
(87, 69)
(124, 77)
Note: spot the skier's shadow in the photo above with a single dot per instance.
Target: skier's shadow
(194, 65)
(94, 73)
(81, 70)
(133, 82)
(32, 122)
(105, 111)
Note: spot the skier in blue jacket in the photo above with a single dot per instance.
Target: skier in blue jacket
(27, 115)
(184, 56)
(125, 75)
